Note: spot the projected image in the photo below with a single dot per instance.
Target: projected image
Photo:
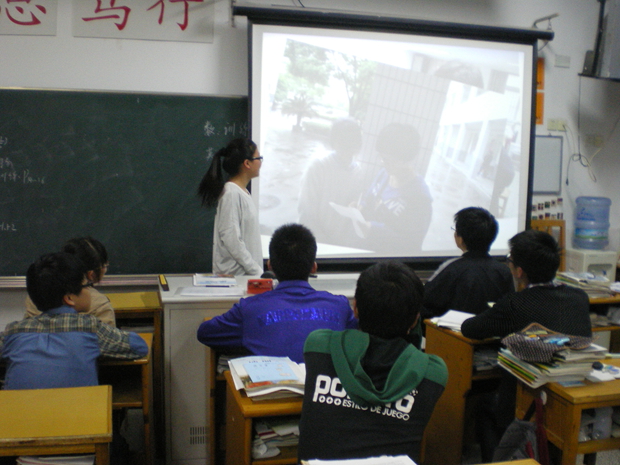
(374, 143)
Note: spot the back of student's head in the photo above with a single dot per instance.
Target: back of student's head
(230, 158)
(90, 251)
(477, 227)
(292, 252)
(537, 253)
(52, 277)
(388, 297)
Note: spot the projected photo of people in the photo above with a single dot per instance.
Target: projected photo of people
(373, 142)
(334, 178)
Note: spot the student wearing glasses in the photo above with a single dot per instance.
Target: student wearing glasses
(236, 236)
(470, 282)
(533, 260)
(94, 256)
(60, 347)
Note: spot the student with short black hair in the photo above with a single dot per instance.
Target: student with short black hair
(60, 347)
(277, 322)
(469, 282)
(369, 392)
(94, 256)
(533, 261)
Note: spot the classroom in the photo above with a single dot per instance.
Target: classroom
(580, 110)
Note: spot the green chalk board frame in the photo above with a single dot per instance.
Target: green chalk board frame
(121, 167)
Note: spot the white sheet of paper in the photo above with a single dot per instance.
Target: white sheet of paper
(211, 291)
(353, 214)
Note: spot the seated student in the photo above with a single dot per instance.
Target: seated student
(533, 260)
(60, 347)
(369, 392)
(468, 283)
(277, 322)
(94, 255)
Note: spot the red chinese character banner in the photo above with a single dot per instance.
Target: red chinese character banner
(169, 20)
(28, 17)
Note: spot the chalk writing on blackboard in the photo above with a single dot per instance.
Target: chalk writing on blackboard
(6, 163)
(25, 177)
(7, 227)
(230, 129)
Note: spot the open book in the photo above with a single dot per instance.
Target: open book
(452, 319)
(264, 377)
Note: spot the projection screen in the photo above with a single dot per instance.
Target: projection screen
(375, 139)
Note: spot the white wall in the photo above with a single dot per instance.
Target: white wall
(221, 68)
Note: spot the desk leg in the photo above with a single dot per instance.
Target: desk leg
(146, 412)
(448, 418)
(238, 433)
(571, 441)
(102, 454)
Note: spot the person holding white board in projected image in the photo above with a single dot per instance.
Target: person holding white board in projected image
(394, 213)
(236, 234)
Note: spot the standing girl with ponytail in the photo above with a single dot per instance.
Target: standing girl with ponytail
(236, 236)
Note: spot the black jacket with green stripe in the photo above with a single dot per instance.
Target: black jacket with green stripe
(366, 396)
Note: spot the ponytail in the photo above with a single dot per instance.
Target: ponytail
(90, 251)
(212, 184)
(230, 158)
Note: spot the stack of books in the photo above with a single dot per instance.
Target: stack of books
(568, 366)
(272, 434)
(263, 377)
(595, 286)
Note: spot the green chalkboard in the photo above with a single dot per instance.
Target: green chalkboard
(121, 167)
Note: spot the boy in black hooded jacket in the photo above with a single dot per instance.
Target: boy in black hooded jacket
(369, 392)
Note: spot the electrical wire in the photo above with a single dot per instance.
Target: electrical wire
(577, 156)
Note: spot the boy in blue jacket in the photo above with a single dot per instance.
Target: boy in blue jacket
(277, 322)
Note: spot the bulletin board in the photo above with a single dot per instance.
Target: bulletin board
(548, 165)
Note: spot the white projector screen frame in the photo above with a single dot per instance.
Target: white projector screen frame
(469, 130)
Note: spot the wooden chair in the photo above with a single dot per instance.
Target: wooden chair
(557, 229)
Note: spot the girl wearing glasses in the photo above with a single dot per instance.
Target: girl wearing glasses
(236, 236)
(94, 256)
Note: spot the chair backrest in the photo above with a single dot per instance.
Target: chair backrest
(557, 229)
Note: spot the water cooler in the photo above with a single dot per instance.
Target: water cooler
(597, 262)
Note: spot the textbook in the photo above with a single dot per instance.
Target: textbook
(264, 377)
(210, 280)
(383, 460)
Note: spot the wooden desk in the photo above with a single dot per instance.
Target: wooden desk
(241, 411)
(187, 366)
(563, 413)
(448, 419)
(131, 382)
(145, 309)
(63, 421)
(518, 462)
